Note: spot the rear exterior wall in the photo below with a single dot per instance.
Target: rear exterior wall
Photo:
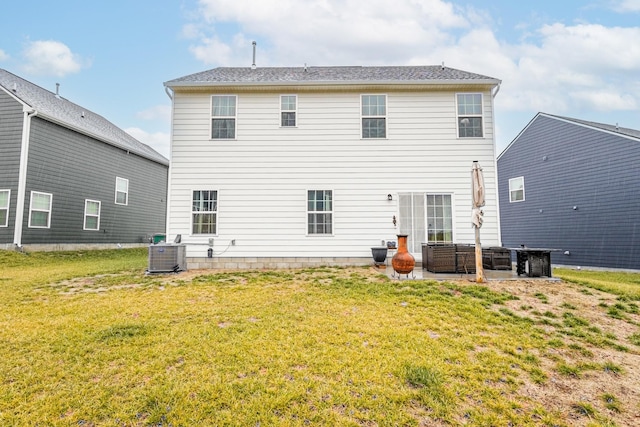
(262, 176)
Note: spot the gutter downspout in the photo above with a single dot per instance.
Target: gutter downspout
(22, 175)
(494, 92)
(170, 93)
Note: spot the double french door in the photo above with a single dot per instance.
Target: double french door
(425, 218)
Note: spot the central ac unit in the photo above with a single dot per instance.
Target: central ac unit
(167, 258)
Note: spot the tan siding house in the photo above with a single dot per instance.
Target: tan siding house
(281, 167)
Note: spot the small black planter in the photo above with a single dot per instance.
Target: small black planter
(379, 255)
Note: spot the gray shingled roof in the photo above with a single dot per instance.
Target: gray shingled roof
(611, 128)
(53, 107)
(331, 75)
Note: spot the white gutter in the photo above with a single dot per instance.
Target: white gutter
(434, 82)
(169, 92)
(494, 92)
(22, 174)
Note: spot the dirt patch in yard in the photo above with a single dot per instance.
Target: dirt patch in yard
(593, 360)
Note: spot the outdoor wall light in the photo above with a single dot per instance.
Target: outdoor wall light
(389, 197)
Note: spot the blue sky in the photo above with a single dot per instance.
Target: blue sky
(575, 58)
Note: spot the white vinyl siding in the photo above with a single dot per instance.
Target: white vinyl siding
(265, 173)
(40, 210)
(5, 196)
(122, 191)
(91, 215)
(516, 189)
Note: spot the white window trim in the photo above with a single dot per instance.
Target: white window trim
(234, 117)
(307, 212)
(31, 209)
(126, 192)
(6, 223)
(84, 225)
(510, 191)
(191, 212)
(481, 115)
(295, 111)
(386, 111)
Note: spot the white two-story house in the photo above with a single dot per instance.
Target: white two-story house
(289, 167)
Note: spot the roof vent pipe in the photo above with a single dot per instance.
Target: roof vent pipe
(57, 90)
(253, 65)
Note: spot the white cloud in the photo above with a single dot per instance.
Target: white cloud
(158, 112)
(551, 67)
(321, 32)
(50, 57)
(623, 6)
(3, 55)
(159, 141)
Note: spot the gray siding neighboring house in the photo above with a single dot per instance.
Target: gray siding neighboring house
(581, 191)
(60, 165)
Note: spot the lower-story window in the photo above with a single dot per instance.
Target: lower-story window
(91, 215)
(204, 208)
(4, 207)
(40, 210)
(320, 211)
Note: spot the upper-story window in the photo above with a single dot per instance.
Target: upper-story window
(122, 191)
(288, 109)
(223, 116)
(4, 207)
(40, 210)
(374, 116)
(469, 115)
(516, 189)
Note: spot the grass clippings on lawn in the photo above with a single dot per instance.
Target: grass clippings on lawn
(99, 343)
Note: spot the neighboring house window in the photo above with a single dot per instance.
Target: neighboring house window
(374, 112)
(288, 105)
(516, 189)
(223, 120)
(122, 191)
(469, 115)
(319, 212)
(91, 215)
(4, 207)
(40, 210)
(204, 209)
(439, 218)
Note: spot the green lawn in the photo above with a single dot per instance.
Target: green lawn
(87, 339)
